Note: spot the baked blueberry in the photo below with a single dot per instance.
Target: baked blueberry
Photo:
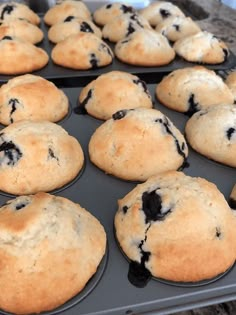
(6, 10)
(11, 153)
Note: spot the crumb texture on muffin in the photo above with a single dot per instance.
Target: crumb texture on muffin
(31, 97)
(212, 133)
(177, 227)
(37, 156)
(137, 143)
(49, 248)
(191, 89)
(114, 91)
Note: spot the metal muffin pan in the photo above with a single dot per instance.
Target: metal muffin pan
(61, 75)
(98, 193)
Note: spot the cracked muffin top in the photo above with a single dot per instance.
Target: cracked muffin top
(177, 228)
(189, 90)
(50, 247)
(212, 133)
(37, 156)
(16, 10)
(113, 91)
(137, 143)
(31, 97)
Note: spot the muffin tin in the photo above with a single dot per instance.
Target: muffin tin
(112, 293)
(109, 291)
(62, 76)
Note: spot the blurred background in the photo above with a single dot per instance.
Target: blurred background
(44, 5)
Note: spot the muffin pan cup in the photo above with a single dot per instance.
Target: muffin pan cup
(98, 193)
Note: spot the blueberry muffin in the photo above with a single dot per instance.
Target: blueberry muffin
(113, 91)
(202, 47)
(110, 11)
(21, 29)
(177, 27)
(16, 10)
(82, 51)
(144, 48)
(71, 26)
(60, 12)
(191, 89)
(19, 56)
(37, 156)
(50, 247)
(124, 25)
(231, 83)
(136, 144)
(174, 226)
(158, 11)
(31, 97)
(212, 133)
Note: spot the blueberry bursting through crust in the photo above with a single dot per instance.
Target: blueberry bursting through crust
(152, 207)
(21, 205)
(13, 102)
(230, 133)
(143, 85)
(93, 61)
(86, 28)
(164, 13)
(180, 147)
(126, 9)
(7, 9)
(81, 109)
(11, 153)
(69, 18)
(7, 38)
(119, 115)
(134, 22)
(193, 105)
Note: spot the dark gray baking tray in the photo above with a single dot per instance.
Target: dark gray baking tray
(62, 76)
(98, 193)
